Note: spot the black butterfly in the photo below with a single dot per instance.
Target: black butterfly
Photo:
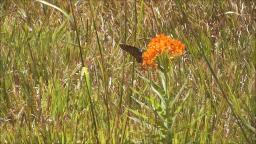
(134, 51)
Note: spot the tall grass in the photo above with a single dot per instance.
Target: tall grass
(64, 79)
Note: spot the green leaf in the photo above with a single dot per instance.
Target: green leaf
(57, 8)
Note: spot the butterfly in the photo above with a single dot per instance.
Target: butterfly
(134, 51)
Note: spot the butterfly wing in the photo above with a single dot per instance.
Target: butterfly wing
(134, 51)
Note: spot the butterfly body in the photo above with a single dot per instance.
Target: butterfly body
(134, 51)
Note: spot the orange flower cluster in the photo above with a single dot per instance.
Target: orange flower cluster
(157, 46)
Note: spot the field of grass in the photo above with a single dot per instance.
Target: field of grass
(64, 78)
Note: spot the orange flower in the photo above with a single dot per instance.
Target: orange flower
(157, 46)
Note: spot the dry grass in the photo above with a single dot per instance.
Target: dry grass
(208, 96)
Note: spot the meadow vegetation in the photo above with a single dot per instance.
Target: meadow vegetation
(64, 78)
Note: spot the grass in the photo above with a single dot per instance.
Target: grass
(64, 79)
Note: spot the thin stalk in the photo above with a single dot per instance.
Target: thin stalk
(81, 58)
(225, 96)
(168, 113)
(77, 33)
(92, 113)
(125, 37)
(133, 70)
(106, 102)
(123, 59)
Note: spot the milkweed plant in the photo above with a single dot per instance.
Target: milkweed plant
(160, 53)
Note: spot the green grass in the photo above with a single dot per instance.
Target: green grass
(64, 79)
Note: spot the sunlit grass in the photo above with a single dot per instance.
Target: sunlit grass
(64, 79)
